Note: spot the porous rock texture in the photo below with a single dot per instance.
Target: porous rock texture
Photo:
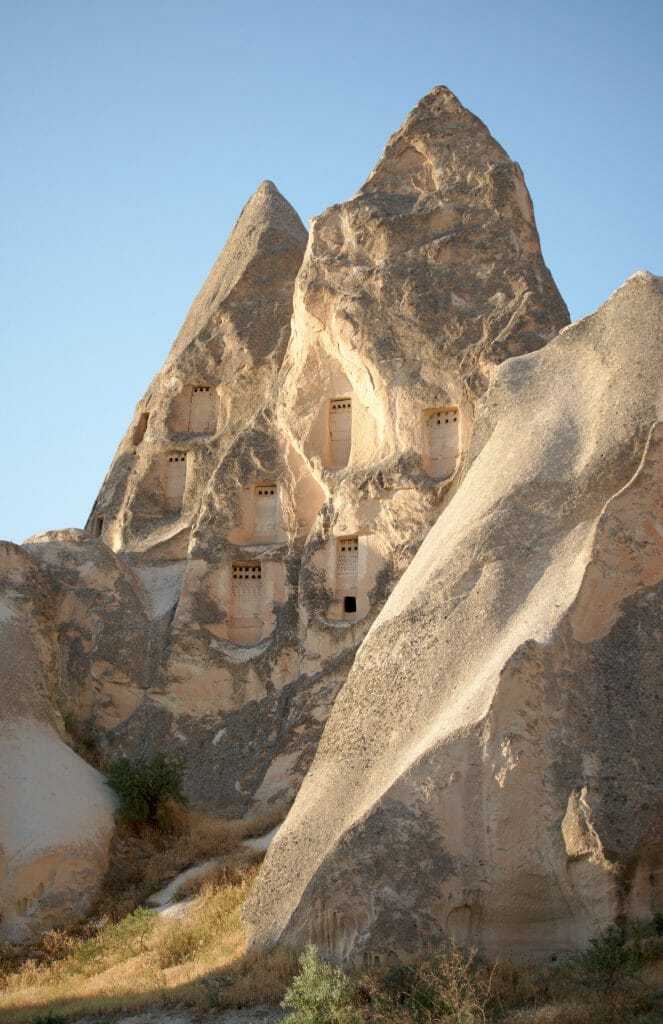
(492, 769)
(209, 624)
(56, 814)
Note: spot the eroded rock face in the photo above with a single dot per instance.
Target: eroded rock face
(270, 492)
(56, 814)
(492, 769)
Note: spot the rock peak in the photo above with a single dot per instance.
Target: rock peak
(439, 142)
(439, 94)
(268, 225)
(269, 196)
(268, 186)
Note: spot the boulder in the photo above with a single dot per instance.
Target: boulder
(56, 814)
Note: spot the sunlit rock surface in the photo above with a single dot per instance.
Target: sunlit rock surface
(493, 768)
(291, 455)
(334, 403)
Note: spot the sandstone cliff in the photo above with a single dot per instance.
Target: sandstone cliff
(493, 769)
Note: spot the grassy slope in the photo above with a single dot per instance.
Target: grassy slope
(128, 959)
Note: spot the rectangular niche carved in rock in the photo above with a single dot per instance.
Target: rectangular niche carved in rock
(265, 498)
(175, 479)
(245, 618)
(97, 526)
(340, 431)
(347, 573)
(140, 428)
(441, 441)
(200, 411)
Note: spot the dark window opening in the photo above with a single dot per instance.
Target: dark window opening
(349, 605)
(247, 571)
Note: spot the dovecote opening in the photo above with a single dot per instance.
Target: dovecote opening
(194, 410)
(245, 613)
(97, 526)
(200, 411)
(340, 431)
(140, 428)
(441, 441)
(175, 479)
(347, 574)
(265, 502)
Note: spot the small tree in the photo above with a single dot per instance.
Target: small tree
(144, 787)
(610, 955)
(320, 993)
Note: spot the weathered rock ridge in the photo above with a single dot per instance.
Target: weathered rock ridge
(492, 770)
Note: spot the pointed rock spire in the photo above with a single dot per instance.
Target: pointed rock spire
(268, 238)
(237, 324)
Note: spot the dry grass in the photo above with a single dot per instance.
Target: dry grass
(455, 987)
(144, 961)
(127, 958)
(142, 859)
(574, 993)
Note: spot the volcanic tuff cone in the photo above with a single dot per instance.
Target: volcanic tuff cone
(269, 492)
(288, 460)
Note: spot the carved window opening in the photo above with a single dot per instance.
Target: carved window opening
(175, 479)
(200, 409)
(265, 509)
(97, 526)
(340, 431)
(347, 573)
(24, 905)
(442, 441)
(245, 618)
(140, 428)
(194, 410)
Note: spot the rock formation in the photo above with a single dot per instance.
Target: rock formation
(493, 769)
(56, 814)
(332, 401)
(273, 485)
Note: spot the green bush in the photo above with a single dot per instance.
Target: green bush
(612, 954)
(121, 940)
(145, 787)
(321, 993)
(130, 932)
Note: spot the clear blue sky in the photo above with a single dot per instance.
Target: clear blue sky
(133, 133)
